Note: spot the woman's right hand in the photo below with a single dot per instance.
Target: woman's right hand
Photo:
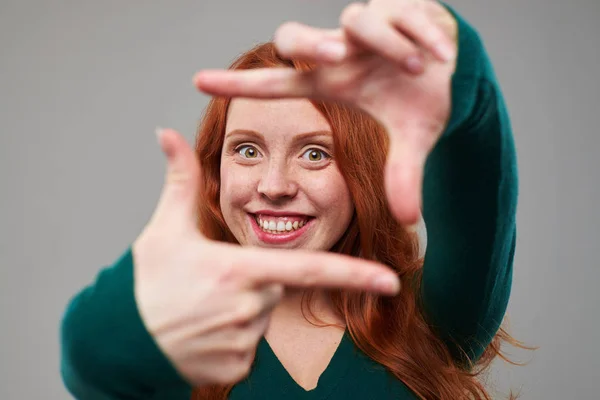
(207, 303)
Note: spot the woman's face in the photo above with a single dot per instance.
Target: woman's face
(280, 186)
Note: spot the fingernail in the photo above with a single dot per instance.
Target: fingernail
(414, 64)
(335, 51)
(387, 283)
(445, 52)
(412, 227)
(158, 132)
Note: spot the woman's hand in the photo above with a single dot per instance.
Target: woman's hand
(392, 58)
(207, 304)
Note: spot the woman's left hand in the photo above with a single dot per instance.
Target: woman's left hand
(392, 58)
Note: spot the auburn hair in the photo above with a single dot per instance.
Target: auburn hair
(390, 330)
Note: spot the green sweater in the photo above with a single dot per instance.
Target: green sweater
(469, 206)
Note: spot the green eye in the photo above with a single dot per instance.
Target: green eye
(315, 155)
(248, 151)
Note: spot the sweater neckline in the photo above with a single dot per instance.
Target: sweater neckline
(328, 380)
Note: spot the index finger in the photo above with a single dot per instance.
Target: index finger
(257, 83)
(318, 269)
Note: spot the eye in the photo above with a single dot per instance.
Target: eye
(315, 155)
(247, 151)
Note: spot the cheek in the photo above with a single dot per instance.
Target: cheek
(236, 187)
(331, 194)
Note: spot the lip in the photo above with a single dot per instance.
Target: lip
(279, 213)
(277, 238)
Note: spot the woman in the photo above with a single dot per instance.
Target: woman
(192, 309)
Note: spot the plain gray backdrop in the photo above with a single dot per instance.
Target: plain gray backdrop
(83, 84)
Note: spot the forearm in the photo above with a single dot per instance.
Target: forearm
(469, 208)
(105, 348)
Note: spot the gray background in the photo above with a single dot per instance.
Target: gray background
(83, 85)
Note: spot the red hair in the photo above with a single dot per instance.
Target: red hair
(390, 330)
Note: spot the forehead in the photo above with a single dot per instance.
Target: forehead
(280, 116)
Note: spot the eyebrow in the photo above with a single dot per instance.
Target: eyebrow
(297, 138)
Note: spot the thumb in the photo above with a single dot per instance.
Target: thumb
(177, 204)
(404, 180)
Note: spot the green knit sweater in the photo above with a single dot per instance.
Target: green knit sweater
(469, 207)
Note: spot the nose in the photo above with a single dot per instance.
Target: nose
(277, 183)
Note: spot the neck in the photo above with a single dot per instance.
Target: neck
(290, 308)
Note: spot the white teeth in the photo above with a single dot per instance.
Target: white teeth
(280, 226)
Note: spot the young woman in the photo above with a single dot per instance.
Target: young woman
(394, 111)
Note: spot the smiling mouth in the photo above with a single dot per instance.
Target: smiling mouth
(280, 225)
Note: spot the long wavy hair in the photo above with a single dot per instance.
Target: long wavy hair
(390, 330)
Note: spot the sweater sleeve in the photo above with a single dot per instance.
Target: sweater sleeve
(106, 351)
(469, 208)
